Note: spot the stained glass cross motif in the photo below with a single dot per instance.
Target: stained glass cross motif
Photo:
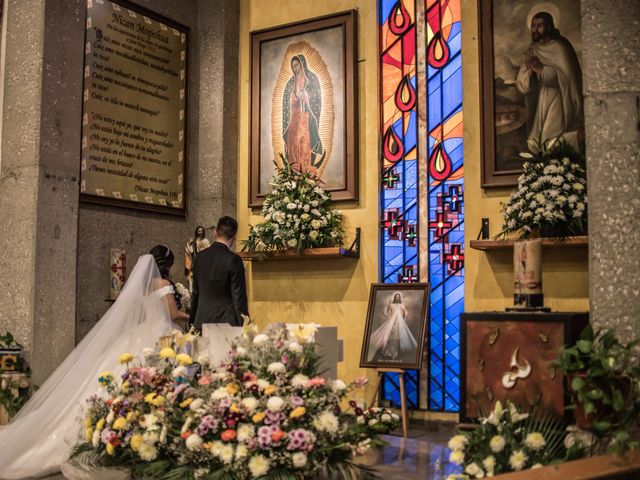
(390, 179)
(393, 224)
(408, 274)
(441, 224)
(441, 163)
(455, 258)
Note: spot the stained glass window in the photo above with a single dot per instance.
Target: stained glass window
(399, 189)
(441, 164)
(446, 200)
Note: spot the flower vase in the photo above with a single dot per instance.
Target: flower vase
(527, 269)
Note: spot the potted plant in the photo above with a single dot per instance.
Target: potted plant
(603, 376)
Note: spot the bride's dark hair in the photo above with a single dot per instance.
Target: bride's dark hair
(164, 259)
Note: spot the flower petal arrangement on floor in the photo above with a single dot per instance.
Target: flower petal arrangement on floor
(296, 215)
(263, 413)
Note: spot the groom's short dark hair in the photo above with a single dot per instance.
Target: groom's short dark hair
(227, 227)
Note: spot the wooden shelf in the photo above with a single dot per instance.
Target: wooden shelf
(326, 252)
(569, 242)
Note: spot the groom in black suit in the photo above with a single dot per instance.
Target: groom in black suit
(219, 290)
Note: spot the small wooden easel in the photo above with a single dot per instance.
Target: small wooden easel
(403, 395)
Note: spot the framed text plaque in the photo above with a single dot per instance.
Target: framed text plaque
(134, 119)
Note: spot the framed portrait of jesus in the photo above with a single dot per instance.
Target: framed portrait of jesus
(303, 101)
(531, 82)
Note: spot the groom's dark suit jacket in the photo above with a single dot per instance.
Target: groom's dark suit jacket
(219, 291)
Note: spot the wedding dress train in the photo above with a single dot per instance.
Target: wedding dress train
(41, 437)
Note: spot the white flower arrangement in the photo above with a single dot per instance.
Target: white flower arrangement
(296, 215)
(551, 198)
(507, 441)
(184, 294)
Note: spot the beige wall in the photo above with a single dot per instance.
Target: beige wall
(331, 292)
(335, 292)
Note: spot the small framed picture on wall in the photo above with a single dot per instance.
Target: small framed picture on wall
(303, 104)
(396, 326)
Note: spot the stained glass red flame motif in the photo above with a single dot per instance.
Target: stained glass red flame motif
(438, 51)
(439, 163)
(405, 95)
(392, 146)
(399, 19)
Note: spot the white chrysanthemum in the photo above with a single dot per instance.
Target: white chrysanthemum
(226, 454)
(260, 339)
(179, 372)
(299, 459)
(148, 352)
(196, 404)
(497, 443)
(259, 465)
(294, 347)
(518, 459)
(241, 351)
(151, 437)
(276, 367)
(194, 442)
(457, 457)
(203, 359)
(147, 452)
(385, 417)
(458, 442)
(275, 404)
(316, 224)
(245, 432)
(250, 404)
(313, 234)
(360, 420)
(475, 470)
(299, 380)
(327, 422)
(489, 464)
(149, 422)
(95, 440)
(216, 448)
(535, 441)
(241, 452)
(262, 383)
(219, 394)
(373, 422)
(338, 386)
(292, 243)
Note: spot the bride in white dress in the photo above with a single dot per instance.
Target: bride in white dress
(393, 337)
(42, 435)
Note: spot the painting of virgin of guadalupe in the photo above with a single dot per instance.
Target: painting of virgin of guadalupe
(301, 109)
(303, 97)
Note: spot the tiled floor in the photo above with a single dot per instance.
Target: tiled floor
(424, 455)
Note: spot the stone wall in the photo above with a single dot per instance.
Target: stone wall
(54, 262)
(611, 46)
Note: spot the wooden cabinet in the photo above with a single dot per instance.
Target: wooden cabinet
(508, 355)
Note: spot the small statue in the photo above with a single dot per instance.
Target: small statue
(194, 246)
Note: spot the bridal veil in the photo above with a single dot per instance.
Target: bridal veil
(41, 437)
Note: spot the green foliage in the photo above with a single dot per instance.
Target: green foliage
(296, 215)
(551, 196)
(604, 375)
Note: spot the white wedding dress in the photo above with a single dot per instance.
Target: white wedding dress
(41, 437)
